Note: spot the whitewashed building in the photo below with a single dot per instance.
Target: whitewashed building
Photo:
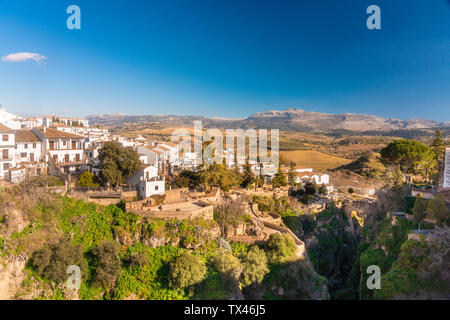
(65, 149)
(147, 182)
(28, 148)
(7, 149)
(8, 119)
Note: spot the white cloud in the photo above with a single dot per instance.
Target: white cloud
(23, 56)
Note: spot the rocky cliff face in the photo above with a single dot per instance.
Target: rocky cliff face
(11, 276)
(333, 242)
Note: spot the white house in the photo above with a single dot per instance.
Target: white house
(173, 149)
(150, 156)
(72, 122)
(10, 120)
(190, 160)
(31, 122)
(65, 149)
(7, 149)
(28, 148)
(148, 182)
(318, 178)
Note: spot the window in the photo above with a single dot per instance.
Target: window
(5, 166)
(156, 188)
(5, 138)
(5, 154)
(34, 145)
(23, 154)
(26, 146)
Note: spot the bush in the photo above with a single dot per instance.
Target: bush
(228, 265)
(187, 270)
(254, 265)
(51, 262)
(87, 179)
(109, 264)
(280, 248)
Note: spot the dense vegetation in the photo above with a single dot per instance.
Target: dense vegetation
(119, 258)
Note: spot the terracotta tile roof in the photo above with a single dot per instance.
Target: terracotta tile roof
(155, 151)
(170, 144)
(163, 148)
(26, 136)
(152, 150)
(5, 129)
(58, 134)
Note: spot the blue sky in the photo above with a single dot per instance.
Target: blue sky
(227, 58)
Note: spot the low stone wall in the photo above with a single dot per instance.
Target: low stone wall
(175, 195)
(206, 212)
(104, 201)
(278, 193)
(61, 190)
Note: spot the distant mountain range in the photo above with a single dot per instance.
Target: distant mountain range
(290, 119)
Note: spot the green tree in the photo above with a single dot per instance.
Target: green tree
(187, 270)
(52, 261)
(279, 180)
(248, 176)
(397, 177)
(229, 214)
(438, 210)
(87, 179)
(323, 191)
(419, 210)
(438, 146)
(412, 157)
(117, 163)
(219, 175)
(188, 178)
(108, 264)
(254, 266)
(311, 187)
(291, 174)
(280, 248)
(228, 265)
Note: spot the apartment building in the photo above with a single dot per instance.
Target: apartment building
(150, 156)
(64, 148)
(7, 148)
(28, 148)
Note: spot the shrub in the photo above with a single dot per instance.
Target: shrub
(87, 179)
(52, 261)
(187, 270)
(109, 264)
(254, 265)
(228, 265)
(280, 248)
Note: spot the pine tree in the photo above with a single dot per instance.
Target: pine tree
(438, 145)
(291, 174)
(323, 190)
(248, 177)
(279, 180)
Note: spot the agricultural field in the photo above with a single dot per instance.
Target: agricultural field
(314, 159)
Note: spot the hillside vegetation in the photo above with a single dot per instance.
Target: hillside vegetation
(124, 256)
